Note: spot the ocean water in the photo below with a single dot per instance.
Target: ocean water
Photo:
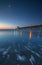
(21, 47)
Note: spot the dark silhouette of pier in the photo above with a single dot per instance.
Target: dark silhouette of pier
(34, 26)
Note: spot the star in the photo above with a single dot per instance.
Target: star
(9, 6)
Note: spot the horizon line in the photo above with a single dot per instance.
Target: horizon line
(21, 27)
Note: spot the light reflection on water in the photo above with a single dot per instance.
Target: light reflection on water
(10, 33)
(4, 32)
(23, 41)
(20, 36)
(29, 34)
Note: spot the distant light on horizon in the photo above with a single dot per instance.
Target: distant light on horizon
(7, 26)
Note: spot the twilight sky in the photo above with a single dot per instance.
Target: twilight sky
(20, 12)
